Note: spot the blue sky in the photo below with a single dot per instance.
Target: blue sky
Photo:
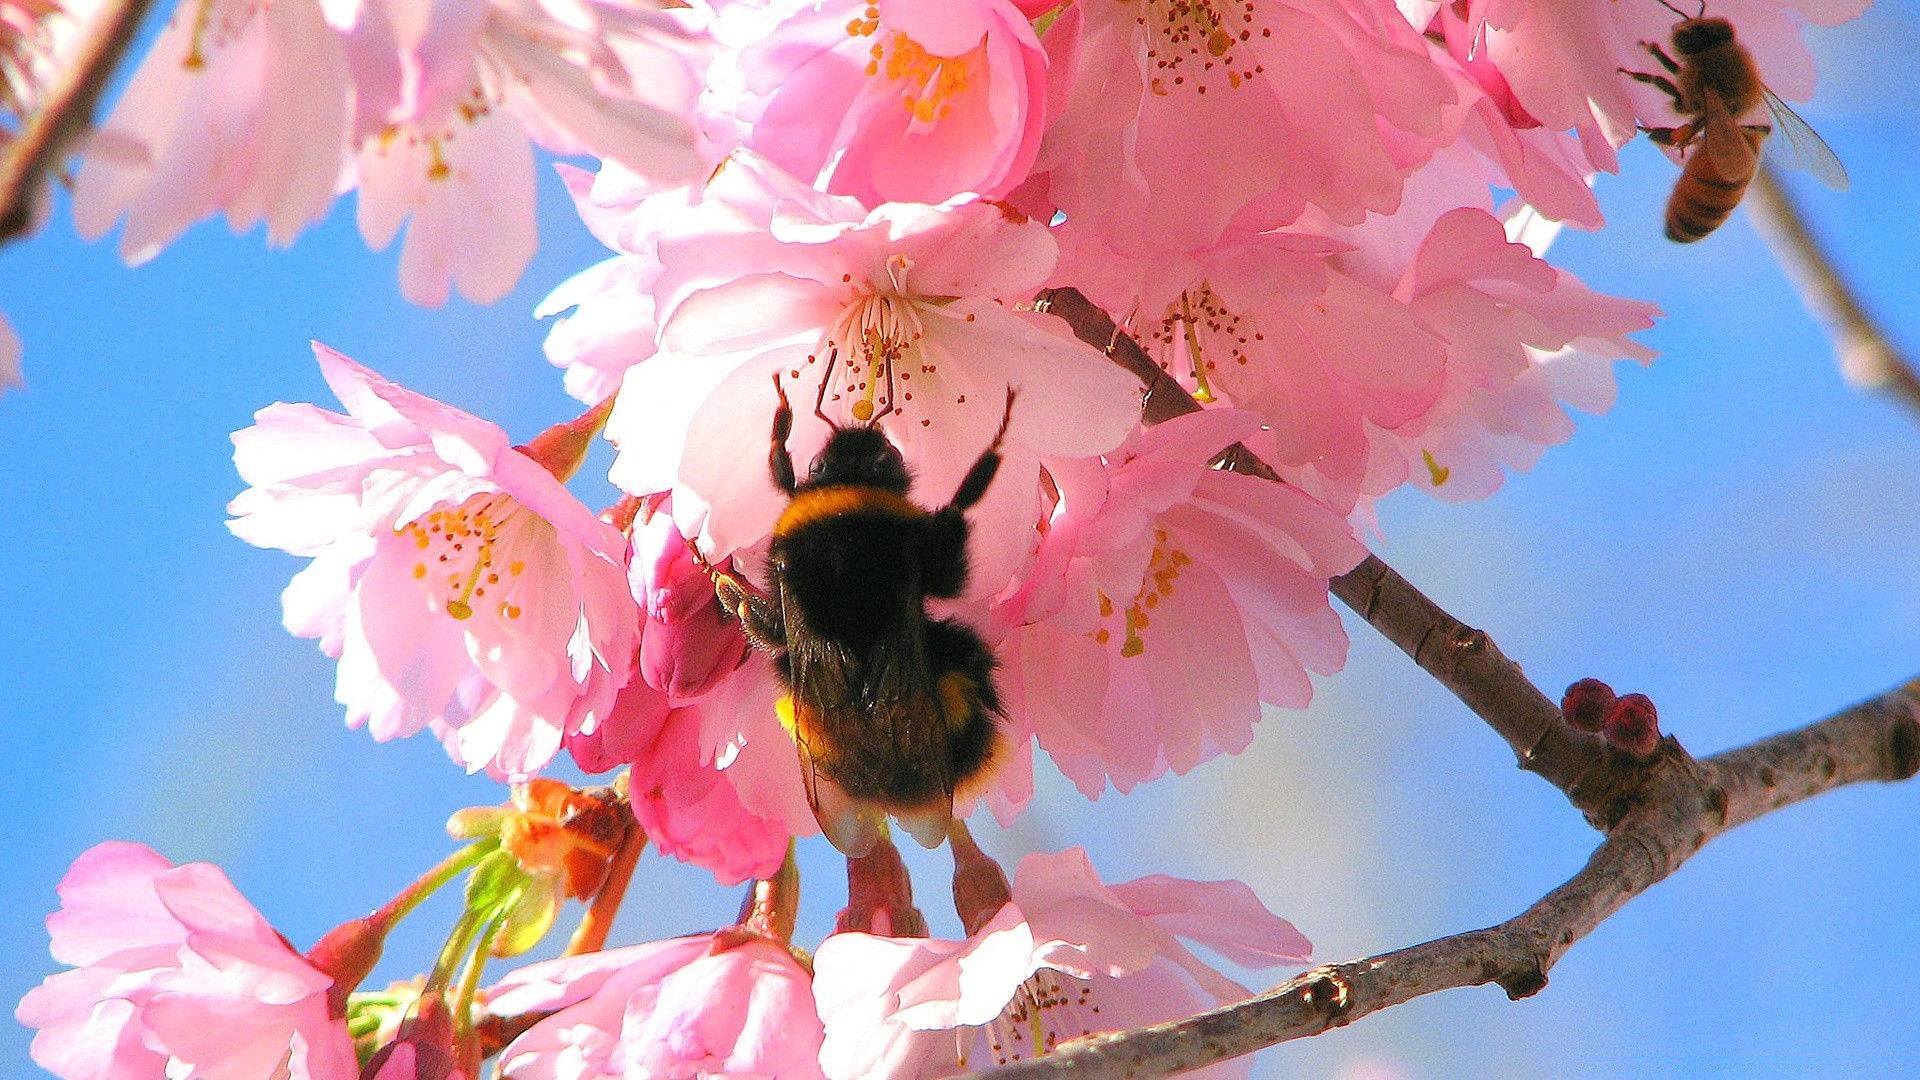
(1738, 538)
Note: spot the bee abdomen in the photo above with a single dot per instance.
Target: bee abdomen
(963, 669)
(1701, 203)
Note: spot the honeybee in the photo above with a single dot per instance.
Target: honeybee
(1716, 82)
(891, 710)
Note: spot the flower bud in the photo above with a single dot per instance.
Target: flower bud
(1586, 704)
(347, 953)
(1634, 726)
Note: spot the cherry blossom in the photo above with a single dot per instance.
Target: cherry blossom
(1167, 602)
(715, 783)
(730, 1003)
(605, 323)
(1183, 116)
(240, 106)
(1267, 322)
(449, 117)
(896, 101)
(1521, 336)
(901, 314)
(456, 580)
(1068, 956)
(687, 643)
(173, 974)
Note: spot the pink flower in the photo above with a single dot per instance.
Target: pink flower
(902, 312)
(1069, 956)
(174, 975)
(687, 644)
(240, 106)
(900, 101)
(605, 323)
(459, 584)
(714, 783)
(731, 1003)
(1168, 601)
(1183, 116)
(1521, 336)
(451, 97)
(1498, 144)
(1267, 322)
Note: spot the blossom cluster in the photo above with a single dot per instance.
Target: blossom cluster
(855, 209)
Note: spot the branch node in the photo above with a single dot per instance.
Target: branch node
(1329, 992)
(1470, 642)
(1717, 804)
(1525, 978)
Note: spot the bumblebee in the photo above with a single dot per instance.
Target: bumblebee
(891, 710)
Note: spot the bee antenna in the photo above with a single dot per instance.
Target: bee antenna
(826, 380)
(1682, 14)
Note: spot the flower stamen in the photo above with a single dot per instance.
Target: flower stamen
(464, 540)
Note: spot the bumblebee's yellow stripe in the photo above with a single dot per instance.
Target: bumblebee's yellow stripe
(958, 692)
(821, 503)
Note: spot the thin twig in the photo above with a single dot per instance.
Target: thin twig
(65, 111)
(1867, 357)
(1599, 781)
(1684, 804)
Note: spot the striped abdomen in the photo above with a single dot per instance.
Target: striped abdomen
(1703, 199)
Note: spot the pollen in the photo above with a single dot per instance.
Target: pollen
(1049, 1009)
(1196, 44)
(927, 81)
(195, 60)
(1163, 569)
(1199, 332)
(1436, 472)
(875, 335)
(465, 544)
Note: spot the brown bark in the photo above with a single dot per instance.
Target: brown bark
(66, 110)
(1682, 804)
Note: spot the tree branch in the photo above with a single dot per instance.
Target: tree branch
(1683, 804)
(1868, 358)
(65, 111)
(1600, 781)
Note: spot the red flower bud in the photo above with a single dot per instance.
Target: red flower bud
(1633, 725)
(348, 952)
(1586, 704)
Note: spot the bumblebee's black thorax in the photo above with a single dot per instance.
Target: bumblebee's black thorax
(850, 556)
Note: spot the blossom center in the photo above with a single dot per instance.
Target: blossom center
(460, 554)
(927, 80)
(1196, 332)
(1047, 1010)
(872, 344)
(1163, 568)
(1195, 44)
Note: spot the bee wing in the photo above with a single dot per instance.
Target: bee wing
(1797, 145)
(1726, 141)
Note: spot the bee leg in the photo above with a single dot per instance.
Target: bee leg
(943, 543)
(1660, 56)
(779, 460)
(1677, 137)
(975, 484)
(1658, 82)
(759, 616)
